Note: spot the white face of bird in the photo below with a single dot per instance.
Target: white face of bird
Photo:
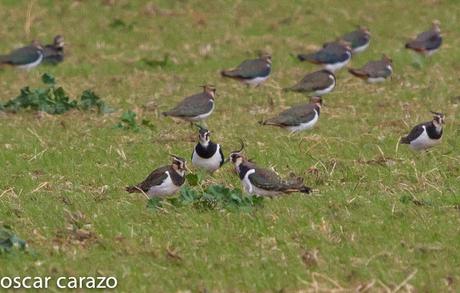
(317, 100)
(267, 58)
(204, 136)
(179, 165)
(236, 158)
(59, 41)
(438, 119)
(210, 89)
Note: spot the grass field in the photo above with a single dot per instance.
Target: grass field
(382, 217)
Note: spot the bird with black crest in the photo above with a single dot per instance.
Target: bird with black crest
(263, 182)
(207, 155)
(425, 135)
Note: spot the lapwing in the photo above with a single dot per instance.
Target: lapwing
(359, 39)
(54, 53)
(333, 56)
(299, 117)
(163, 181)
(195, 108)
(428, 42)
(263, 182)
(251, 72)
(318, 83)
(425, 135)
(24, 58)
(207, 155)
(375, 71)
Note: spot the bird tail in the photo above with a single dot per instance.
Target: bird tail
(305, 189)
(296, 185)
(357, 72)
(228, 73)
(404, 140)
(307, 57)
(133, 189)
(268, 122)
(3, 59)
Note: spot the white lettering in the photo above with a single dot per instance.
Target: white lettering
(58, 283)
(115, 282)
(6, 282)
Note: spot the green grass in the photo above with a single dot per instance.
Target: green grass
(379, 214)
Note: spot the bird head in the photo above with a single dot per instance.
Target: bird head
(37, 44)
(386, 58)
(203, 135)
(266, 57)
(236, 157)
(210, 89)
(436, 26)
(317, 100)
(179, 164)
(438, 118)
(58, 41)
(364, 30)
(345, 44)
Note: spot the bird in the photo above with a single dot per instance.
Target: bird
(428, 42)
(252, 72)
(196, 107)
(425, 135)
(359, 39)
(163, 181)
(333, 56)
(207, 155)
(263, 182)
(319, 83)
(375, 71)
(299, 117)
(54, 53)
(26, 57)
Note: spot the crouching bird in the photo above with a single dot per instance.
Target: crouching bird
(428, 42)
(24, 58)
(333, 56)
(263, 182)
(54, 53)
(251, 72)
(196, 107)
(298, 117)
(374, 71)
(163, 181)
(207, 155)
(319, 83)
(425, 135)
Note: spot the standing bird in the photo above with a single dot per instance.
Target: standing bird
(299, 117)
(359, 39)
(207, 155)
(425, 135)
(263, 182)
(195, 108)
(333, 56)
(252, 72)
(428, 42)
(24, 58)
(375, 71)
(319, 83)
(54, 53)
(163, 181)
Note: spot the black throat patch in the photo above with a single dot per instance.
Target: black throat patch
(207, 152)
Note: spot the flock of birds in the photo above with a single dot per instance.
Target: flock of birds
(207, 155)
